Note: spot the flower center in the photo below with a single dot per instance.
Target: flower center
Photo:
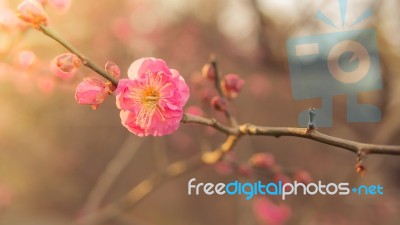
(150, 97)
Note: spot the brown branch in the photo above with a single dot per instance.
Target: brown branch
(217, 82)
(114, 168)
(85, 60)
(142, 190)
(312, 134)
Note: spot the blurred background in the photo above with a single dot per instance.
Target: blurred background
(53, 151)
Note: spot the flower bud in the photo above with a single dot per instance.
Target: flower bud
(26, 58)
(9, 21)
(262, 160)
(302, 176)
(208, 71)
(59, 73)
(113, 69)
(68, 62)
(245, 171)
(195, 110)
(91, 91)
(360, 169)
(60, 5)
(31, 11)
(231, 85)
(219, 103)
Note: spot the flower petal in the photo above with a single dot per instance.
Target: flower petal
(139, 67)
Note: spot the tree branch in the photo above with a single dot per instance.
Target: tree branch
(142, 190)
(85, 60)
(312, 134)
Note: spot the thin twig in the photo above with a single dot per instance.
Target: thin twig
(312, 134)
(143, 189)
(217, 82)
(114, 168)
(85, 60)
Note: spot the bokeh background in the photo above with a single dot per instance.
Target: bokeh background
(53, 151)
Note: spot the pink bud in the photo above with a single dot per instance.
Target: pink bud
(113, 69)
(223, 168)
(302, 176)
(26, 58)
(6, 196)
(59, 73)
(8, 20)
(91, 91)
(68, 62)
(208, 71)
(263, 160)
(61, 5)
(219, 103)
(245, 171)
(283, 178)
(45, 84)
(231, 85)
(31, 11)
(270, 213)
(195, 110)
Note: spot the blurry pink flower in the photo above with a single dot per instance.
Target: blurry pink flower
(263, 160)
(151, 101)
(113, 69)
(122, 29)
(61, 5)
(26, 58)
(59, 73)
(245, 171)
(68, 62)
(283, 178)
(8, 20)
(223, 168)
(232, 85)
(302, 176)
(45, 84)
(269, 213)
(219, 103)
(31, 11)
(195, 110)
(6, 196)
(208, 71)
(91, 91)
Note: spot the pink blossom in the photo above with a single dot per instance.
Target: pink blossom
(269, 213)
(26, 58)
(151, 101)
(61, 5)
(223, 168)
(8, 20)
(219, 103)
(91, 91)
(59, 73)
(45, 84)
(68, 62)
(31, 11)
(208, 71)
(232, 85)
(263, 160)
(195, 110)
(6, 196)
(113, 69)
(302, 176)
